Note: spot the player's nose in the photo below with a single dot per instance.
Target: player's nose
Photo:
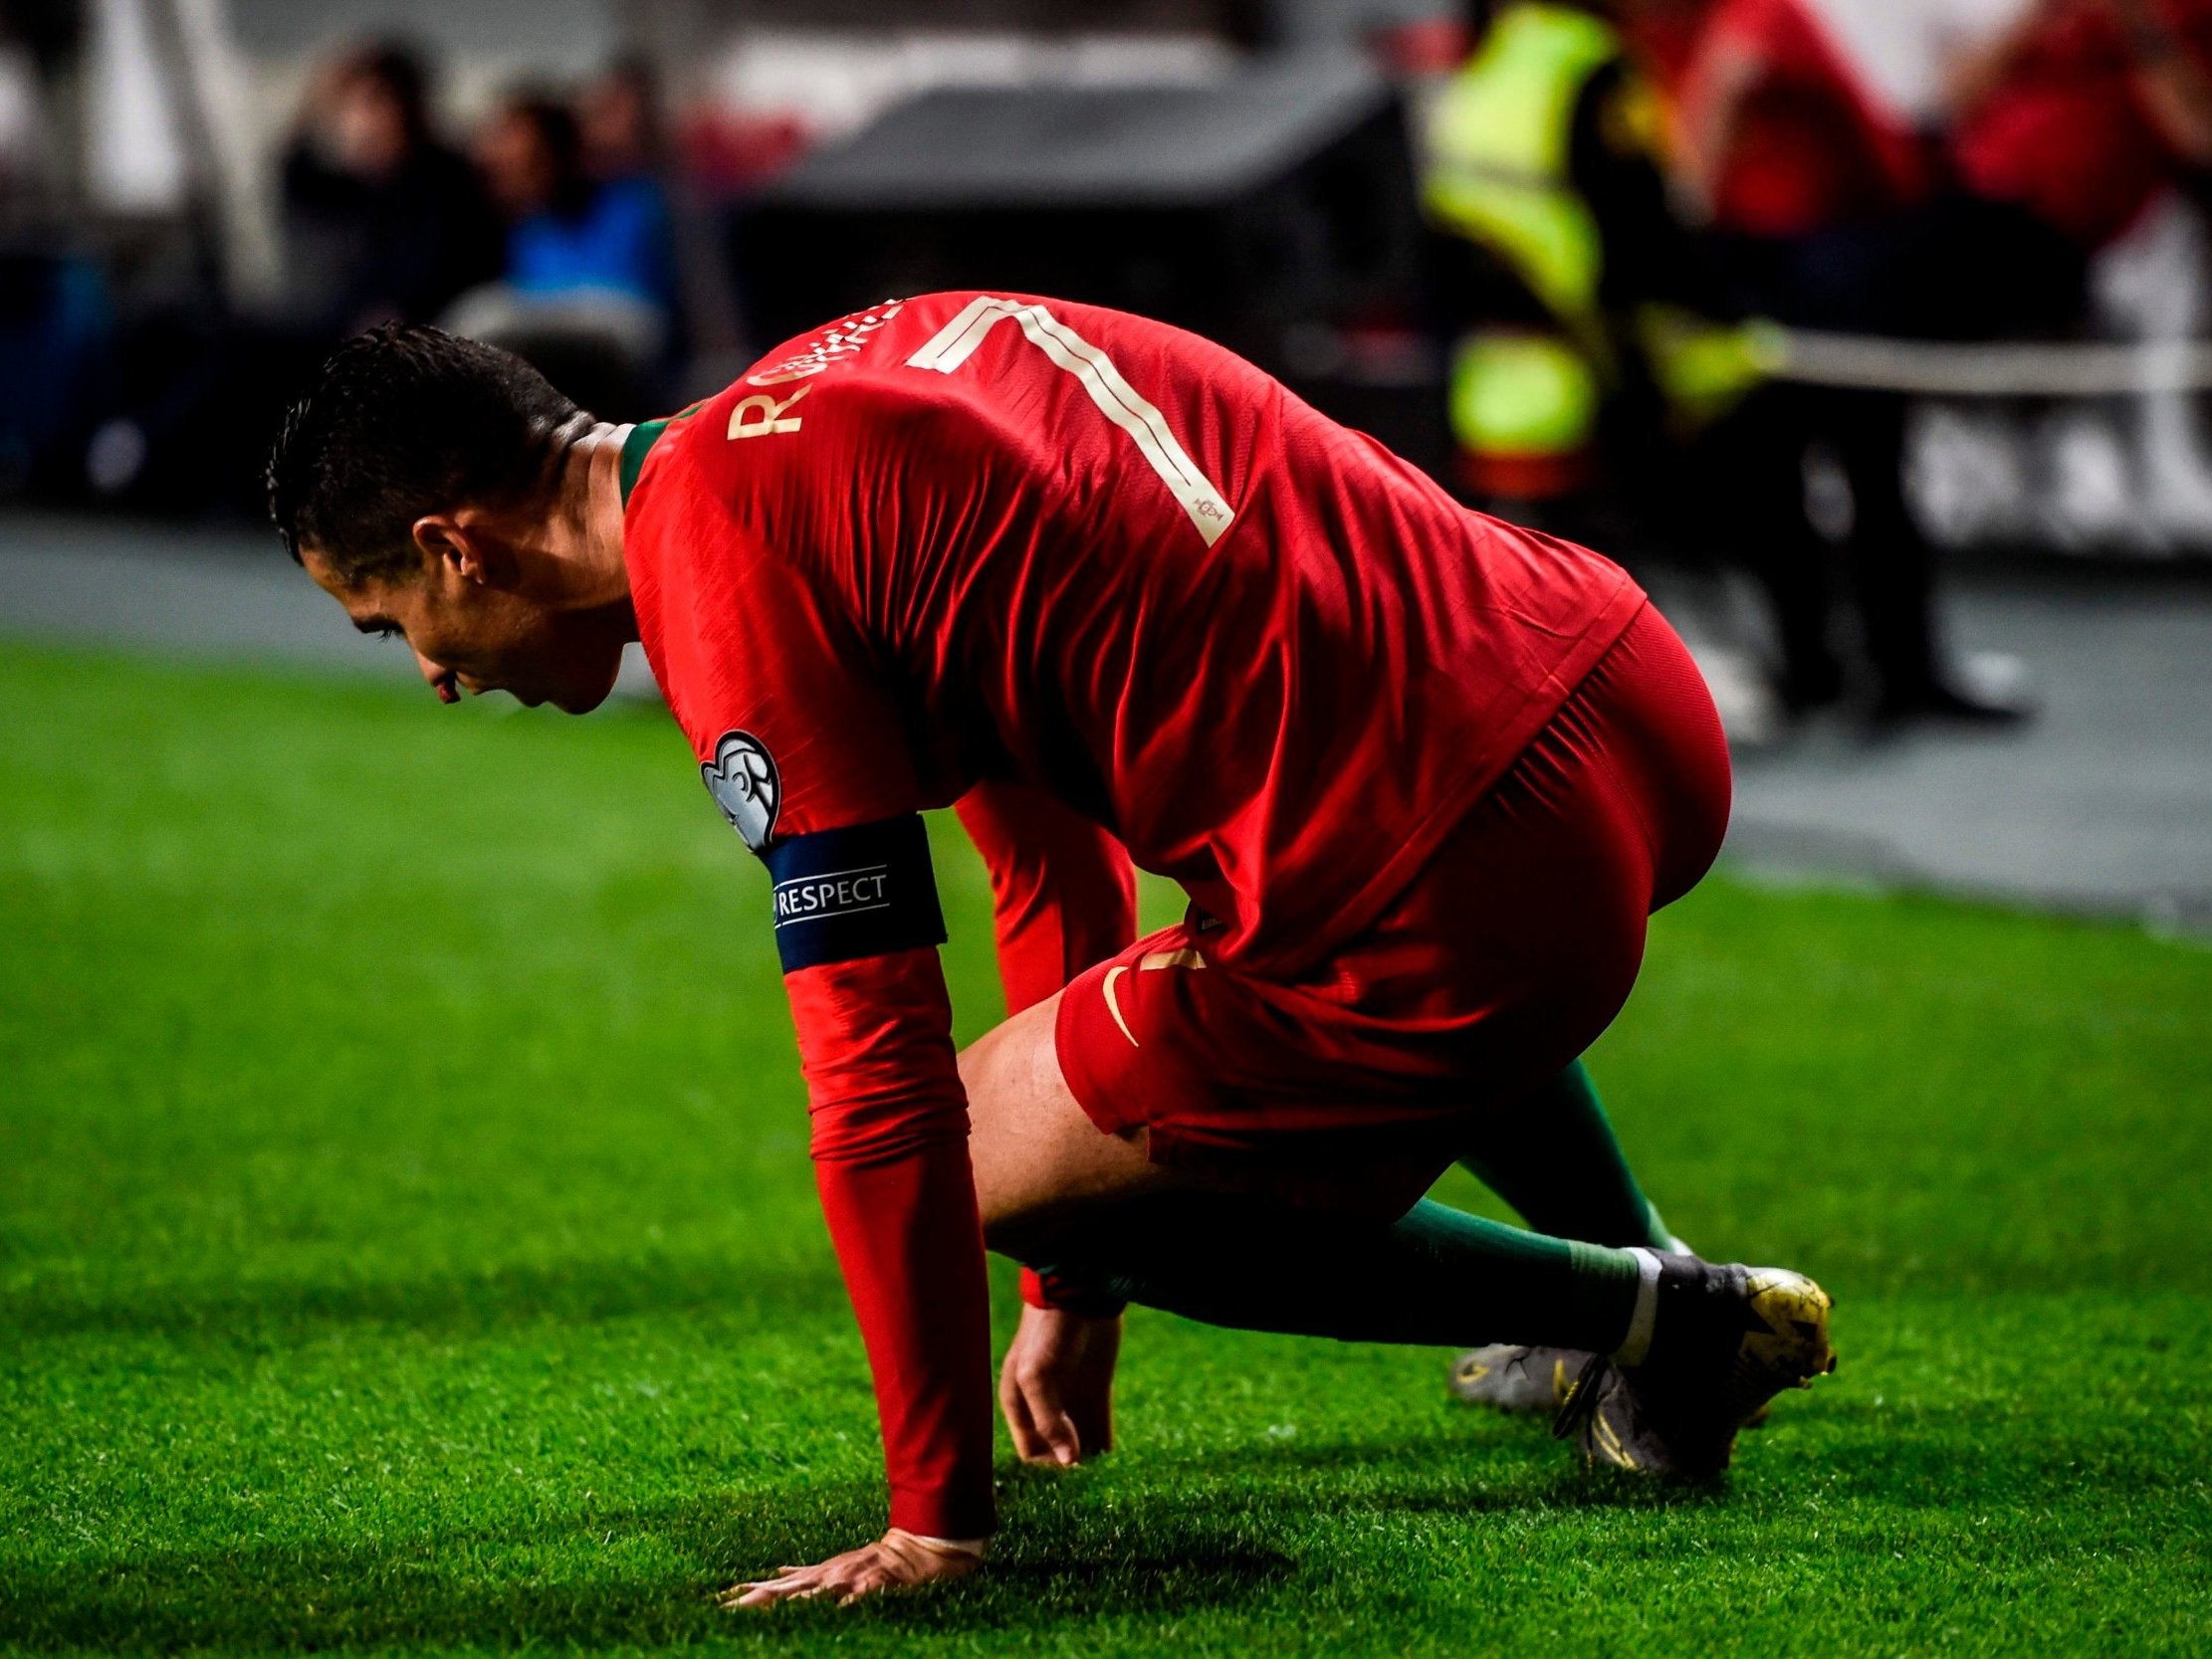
(439, 678)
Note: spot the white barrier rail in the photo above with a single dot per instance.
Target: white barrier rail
(1944, 368)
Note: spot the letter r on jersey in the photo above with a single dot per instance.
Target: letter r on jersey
(760, 414)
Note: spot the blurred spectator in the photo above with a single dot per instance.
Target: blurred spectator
(625, 149)
(568, 232)
(2067, 128)
(1600, 361)
(1599, 367)
(1543, 176)
(588, 292)
(21, 120)
(55, 318)
(381, 221)
(1823, 205)
(1790, 158)
(629, 143)
(1778, 134)
(2085, 112)
(622, 126)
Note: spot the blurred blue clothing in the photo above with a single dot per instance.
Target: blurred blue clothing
(57, 358)
(619, 242)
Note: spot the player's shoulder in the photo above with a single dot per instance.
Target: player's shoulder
(856, 347)
(860, 376)
(877, 351)
(823, 398)
(858, 365)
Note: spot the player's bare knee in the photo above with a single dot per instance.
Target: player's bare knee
(1040, 1162)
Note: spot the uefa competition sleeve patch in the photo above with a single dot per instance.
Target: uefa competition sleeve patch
(742, 778)
(844, 894)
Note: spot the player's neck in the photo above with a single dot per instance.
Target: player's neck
(584, 532)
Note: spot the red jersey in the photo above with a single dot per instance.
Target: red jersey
(969, 537)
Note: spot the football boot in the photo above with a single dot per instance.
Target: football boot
(1532, 1379)
(1529, 1381)
(1723, 1341)
(1518, 1381)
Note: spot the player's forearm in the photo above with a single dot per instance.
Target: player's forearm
(912, 1250)
(890, 1145)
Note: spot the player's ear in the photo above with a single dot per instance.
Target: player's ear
(461, 543)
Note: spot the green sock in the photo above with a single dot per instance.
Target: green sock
(1435, 1276)
(1554, 1159)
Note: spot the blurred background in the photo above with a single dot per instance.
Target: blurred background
(1871, 333)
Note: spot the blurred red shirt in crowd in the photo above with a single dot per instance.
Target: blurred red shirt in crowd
(2090, 109)
(1779, 133)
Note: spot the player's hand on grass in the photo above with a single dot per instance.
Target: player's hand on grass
(1058, 1384)
(895, 1561)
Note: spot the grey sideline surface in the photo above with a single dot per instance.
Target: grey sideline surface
(216, 594)
(2104, 805)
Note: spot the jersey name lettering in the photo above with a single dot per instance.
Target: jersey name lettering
(759, 415)
(834, 343)
(1117, 400)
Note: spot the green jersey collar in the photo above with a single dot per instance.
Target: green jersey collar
(643, 437)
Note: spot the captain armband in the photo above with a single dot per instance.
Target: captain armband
(844, 894)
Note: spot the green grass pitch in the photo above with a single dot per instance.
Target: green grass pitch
(407, 1242)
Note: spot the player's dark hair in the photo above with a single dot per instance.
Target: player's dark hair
(402, 421)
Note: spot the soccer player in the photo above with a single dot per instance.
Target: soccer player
(1117, 595)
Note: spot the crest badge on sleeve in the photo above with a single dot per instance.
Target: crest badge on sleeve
(742, 778)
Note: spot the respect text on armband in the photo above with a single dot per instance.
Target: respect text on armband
(845, 892)
(863, 890)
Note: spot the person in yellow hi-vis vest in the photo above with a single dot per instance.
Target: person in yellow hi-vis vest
(1574, 295)
(1600, 363)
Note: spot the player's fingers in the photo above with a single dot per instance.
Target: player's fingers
(1013, 1405)
(1049, 1413)
(1067, 1441)
(1036, 1442)
(1034, 1447)
(1028, 1444)
(761, 1592)
(767, 1596)
(780, 1590)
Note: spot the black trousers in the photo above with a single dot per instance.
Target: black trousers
(1958, 269)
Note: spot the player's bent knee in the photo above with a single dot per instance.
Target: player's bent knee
(1037, 1157)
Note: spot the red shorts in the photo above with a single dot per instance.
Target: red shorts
(1354, 1084)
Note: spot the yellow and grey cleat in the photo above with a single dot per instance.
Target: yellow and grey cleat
(1518, 1379)
(1724, 1341)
